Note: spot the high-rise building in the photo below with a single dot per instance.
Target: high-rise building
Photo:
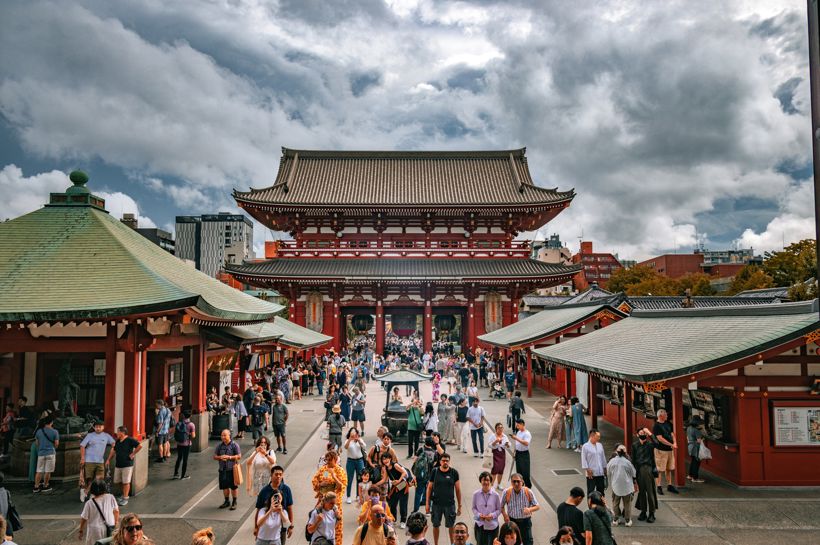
(212, 240)
(160, 237)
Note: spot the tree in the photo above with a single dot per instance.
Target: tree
(657, 285)
(803, 291)
(794, 265)
(699, 284)
(623, 278)
(750, 277)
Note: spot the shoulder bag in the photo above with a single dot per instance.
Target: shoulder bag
(109, 530)
(13, 516)
(607, 526)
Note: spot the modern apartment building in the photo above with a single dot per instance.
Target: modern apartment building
(212, 240)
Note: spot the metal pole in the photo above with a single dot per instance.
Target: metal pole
(814, 82)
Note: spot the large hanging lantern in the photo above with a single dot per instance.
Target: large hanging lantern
(404, 325)
(362, 323)
(445, 322)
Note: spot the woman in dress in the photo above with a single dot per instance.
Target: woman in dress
(444, 424)
(499, 444)
(296, 377)
(559, 411)
(472, 393)
(331, 477)
(259, 464)
(344, 402)
(436, 385)
(450, 411)
(99, 512)
(579, 425)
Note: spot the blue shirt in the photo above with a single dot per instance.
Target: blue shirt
(267, 492)
(46, 437)
(94, 444)
(163, 420)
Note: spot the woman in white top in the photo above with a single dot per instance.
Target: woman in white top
(270, 520)
(499, 443)
(296, 377)
(356, 449)
(259, 465)
(99, 512)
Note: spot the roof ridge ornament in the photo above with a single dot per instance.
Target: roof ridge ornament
(78, 194)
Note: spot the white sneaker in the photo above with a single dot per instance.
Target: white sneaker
(403, 525)
(475, 455)
(482, 456)
(628, 523)
(615, 522)
(348, 500)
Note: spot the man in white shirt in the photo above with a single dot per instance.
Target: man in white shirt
(593, 462)
(522, 439)
(476, 417)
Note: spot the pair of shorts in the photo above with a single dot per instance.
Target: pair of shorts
(123, 474)
(45, 464)
(226, 480)
(358, 416)
(665, 460)
(91, 470)
(162, 438)
(279, 430)
(449, 512)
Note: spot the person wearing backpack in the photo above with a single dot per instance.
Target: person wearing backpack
(321, 526)
(422, 467)
(518, 503)
(398, 487)
(259, 417)
(184, 433)
(374, 531)
(124, 451)
(47, 439)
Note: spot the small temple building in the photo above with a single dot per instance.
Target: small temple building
(409, 244)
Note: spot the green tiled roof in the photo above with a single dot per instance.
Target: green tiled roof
(79, 263)
(542, 324)
(280, 331)
(659, 345)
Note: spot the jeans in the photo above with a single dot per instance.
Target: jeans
(420, 496)
(182, 457)
(484, 537)
(398, 502)
(525, 526)
(319, 384)
(480, 434)
(413, 437)
(354, 466)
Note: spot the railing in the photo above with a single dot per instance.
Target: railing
(402, 248)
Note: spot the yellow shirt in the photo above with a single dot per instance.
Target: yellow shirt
(375, 536)
(364, 514)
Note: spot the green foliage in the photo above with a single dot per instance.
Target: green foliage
(698, 283)
(795, 264)
(750, 277)
(623, 278)
(803, 291)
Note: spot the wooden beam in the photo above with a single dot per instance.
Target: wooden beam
(679, 430)
(743, 381)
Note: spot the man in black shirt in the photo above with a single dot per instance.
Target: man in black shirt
(570, 515)
(444, 489)
(125, 450)
(664, 451)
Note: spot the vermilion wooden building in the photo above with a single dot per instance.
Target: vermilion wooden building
(416, 239)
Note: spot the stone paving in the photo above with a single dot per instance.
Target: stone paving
(712, 513)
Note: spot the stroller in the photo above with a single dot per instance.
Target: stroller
(497, 392)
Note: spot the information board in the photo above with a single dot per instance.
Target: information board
(796, 426)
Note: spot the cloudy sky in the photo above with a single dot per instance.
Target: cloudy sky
(674, 121)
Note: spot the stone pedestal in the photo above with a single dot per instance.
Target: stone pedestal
(200, 442)
(67, 463)
(139, 479)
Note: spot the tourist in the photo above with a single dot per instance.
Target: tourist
(7, 428)
(259, 418)
(296, 377)
(271, 520)
(476, 418)
(5, 508)
(415, 425)
(336, 426)
(373, 496)
(559, 412)
(47, 440)
(241, 414)
(518, 503)
(354, 466)
(430, 419)
(568, 512)
(397, 480)
(205, 536)
(395, 396)
(345, 400)
(486, 510)
(331, 400)
(422, 469)
(462, 534)
(373, 460)
(443, 491)
(579, 425)
(124, 451)
(510, 381)
(99, 514)
(325, 520)
(522, 438)
(461, 429)
(228, 454)
(162, 427)
(664, 451)
(130, 532)
(258, 465)
(92, 453)
(279, 416)
(184, 435)
(436, 385)
(499, 443)
(374, 531)
(516, 408)
(695, 435)
(593, 462)
(621, 475)
(597, 521)
(565, 536)
(444, 423)
(508, 534)
(417, 528)
(330, 479)
(643, 458)
(472, 393)
(357, 405)
(277, 475)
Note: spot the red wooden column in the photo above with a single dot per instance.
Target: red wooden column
(336, 330)
(198, 369)
(134, 399)
(680, 436)
(110, 407)
(471, 337)
(629, 420)
(594, 400)
(379, 327)
(529, 372)
(427, 333)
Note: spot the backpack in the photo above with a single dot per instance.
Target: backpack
(364, 531)
(181, 432)
(508, 494)
(258, 418)
(421, 468)
(308, 535)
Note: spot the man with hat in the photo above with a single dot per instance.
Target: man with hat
(336, 425)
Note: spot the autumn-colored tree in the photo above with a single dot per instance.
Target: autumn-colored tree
(803, 291)
(657, 285)
(750, 277)
(698, 283)
(796, 263)
(623, 278)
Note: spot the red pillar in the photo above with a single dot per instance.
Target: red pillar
(199, 380)
(336, 330)
(301, 313)
(379, 328)
(529, 372)
(628, 419)
(110, 407)
(680, 436)
(427, 334)
(134, 402)
(594, 400)
(471, 337)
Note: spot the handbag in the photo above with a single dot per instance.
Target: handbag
(109, 529)
(509, 421)
(237, 474)
(488, 458)
(704, 453)
(13, 517)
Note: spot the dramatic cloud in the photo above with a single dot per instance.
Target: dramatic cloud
(669, 118)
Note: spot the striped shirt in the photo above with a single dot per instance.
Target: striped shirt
(518, 501)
